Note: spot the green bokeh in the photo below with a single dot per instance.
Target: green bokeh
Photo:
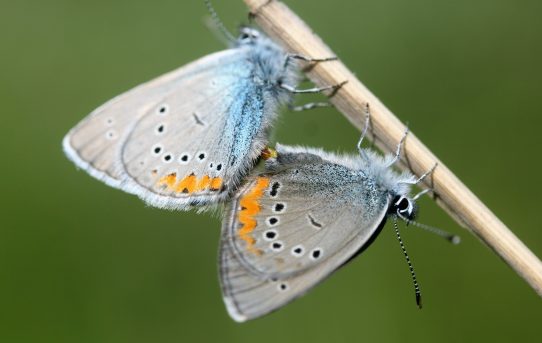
(81, 262)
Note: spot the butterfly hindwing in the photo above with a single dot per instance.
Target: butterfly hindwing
(292, 226)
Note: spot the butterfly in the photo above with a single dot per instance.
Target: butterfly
(188, 137)
(307, 214)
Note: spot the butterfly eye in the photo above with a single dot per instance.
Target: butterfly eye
(403, 206)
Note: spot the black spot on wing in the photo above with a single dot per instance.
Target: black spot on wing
(314, 222)
(279, 207)
(198, 120)
(274, 189)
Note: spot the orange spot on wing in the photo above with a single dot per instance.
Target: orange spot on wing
(190, 184)
(216, 183)
(168, 180)
(250, 206)
(187, 185)
(203, 184)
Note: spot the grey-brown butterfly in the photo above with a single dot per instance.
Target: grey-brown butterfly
(188, 137)
(306, 215)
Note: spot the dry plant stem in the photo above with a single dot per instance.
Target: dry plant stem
(278, 21)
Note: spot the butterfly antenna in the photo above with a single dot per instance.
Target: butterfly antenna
(412, 273)
(454, 239)
(219, 24)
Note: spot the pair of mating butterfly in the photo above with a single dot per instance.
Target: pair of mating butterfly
(190, 137)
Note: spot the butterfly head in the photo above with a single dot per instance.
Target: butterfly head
(404, 207)
(248, 36)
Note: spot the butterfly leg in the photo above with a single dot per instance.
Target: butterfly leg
(367, 113)
(420, 179)
(425, 191)
(292, 89)
(398, 150)
(290, 57)
(309, 106)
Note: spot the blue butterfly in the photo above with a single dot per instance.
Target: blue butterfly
(188, 137)
(306, 215)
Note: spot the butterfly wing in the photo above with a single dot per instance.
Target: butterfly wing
(291, 227)
(94, 144)
(194, 145)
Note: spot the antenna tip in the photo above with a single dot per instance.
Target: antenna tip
(455, 239)
(419, 300)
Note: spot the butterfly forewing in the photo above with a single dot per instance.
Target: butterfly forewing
(195, 144)
(173, 151)
(94, 144)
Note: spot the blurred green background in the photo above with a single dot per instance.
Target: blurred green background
(81, 262)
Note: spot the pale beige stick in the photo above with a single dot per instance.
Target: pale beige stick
(277, 20)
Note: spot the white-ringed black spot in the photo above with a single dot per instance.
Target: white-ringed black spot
(168, 158)
(282, 287)
(109, 121)
(270, 235)
(160, 129)
(211, 165)
(163, 109)
(279, 207)
(219, 167)
(156, 150)
(298, 250)
(111, 134)
(277, 246)
(201, 156)
(316, 253)
(272, 221)
(184, 158)
(274, 189)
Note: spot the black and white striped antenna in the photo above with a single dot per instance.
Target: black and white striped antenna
(410, 267)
